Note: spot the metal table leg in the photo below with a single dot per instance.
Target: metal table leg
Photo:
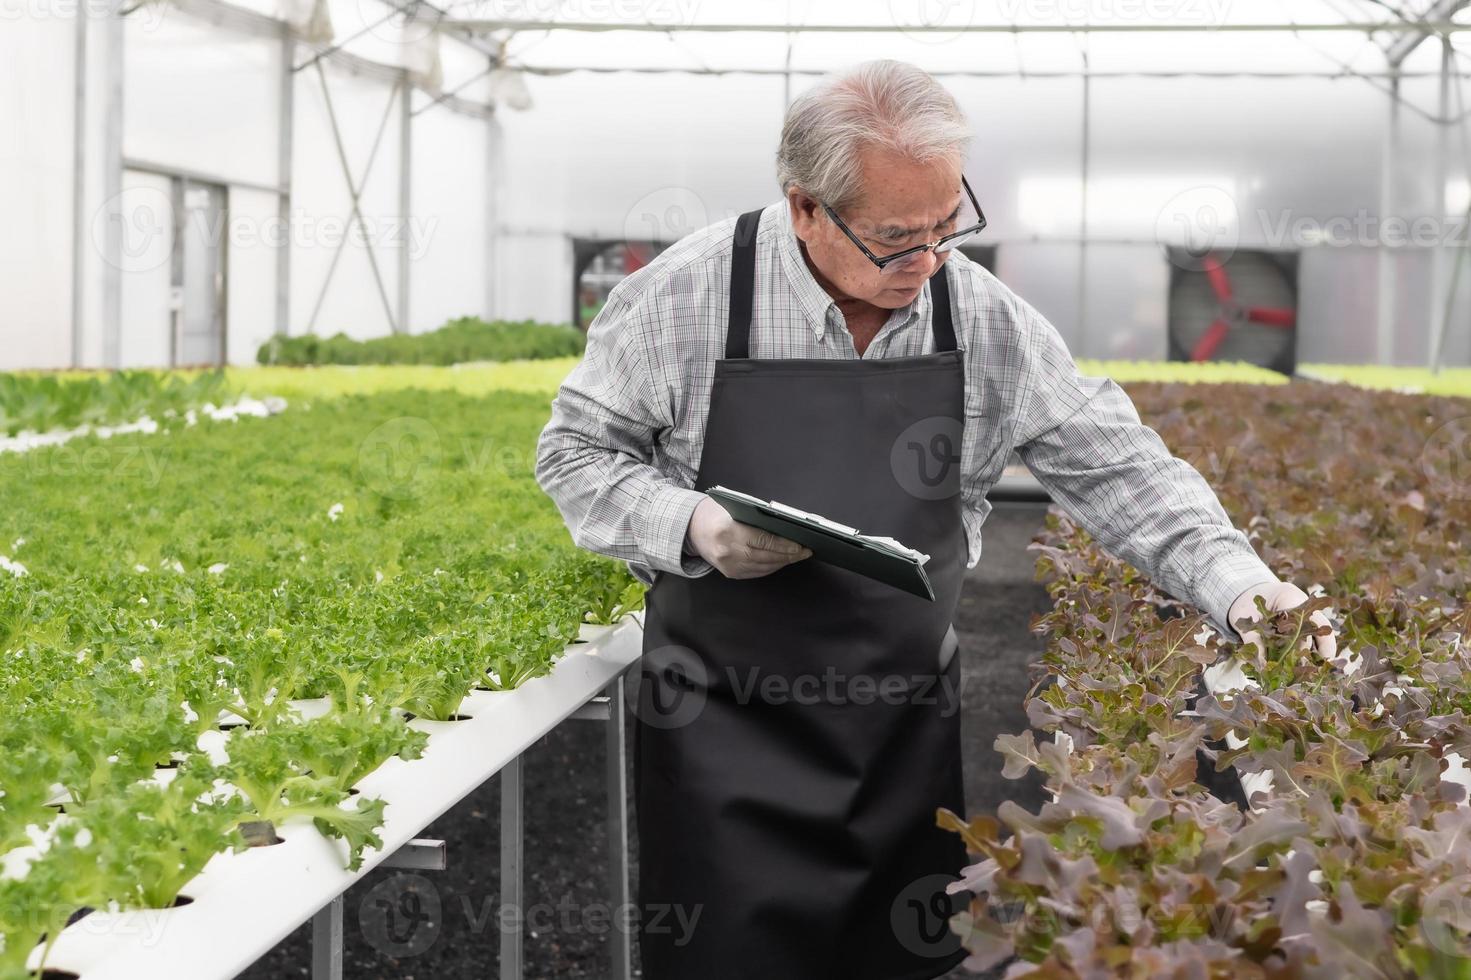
(512, 890)
(327, 941)
(621, 942)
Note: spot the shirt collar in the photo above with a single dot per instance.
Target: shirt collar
(813, 299)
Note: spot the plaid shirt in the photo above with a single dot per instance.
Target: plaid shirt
(621, 451)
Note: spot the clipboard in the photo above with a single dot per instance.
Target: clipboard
(879, 558)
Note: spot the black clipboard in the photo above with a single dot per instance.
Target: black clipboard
(833, 543)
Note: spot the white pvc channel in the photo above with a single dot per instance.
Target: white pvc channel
(245, 903)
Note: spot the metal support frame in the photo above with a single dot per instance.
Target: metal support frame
(513, 868)
(493, 190)
(1458, 263)
(355, 190)
(1440, 278)
(79, 183)
(620, 945)
(1407, 42)
(1085, 163)
(405, 197)
(112, 189)
(607, 708)
(327, 941)
(1384, 257)
(430, 855)
(486, 25)
(285, 143)
(419, 854)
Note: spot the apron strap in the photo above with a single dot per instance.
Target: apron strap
(942, 324)
(742, 285)
(743, 291)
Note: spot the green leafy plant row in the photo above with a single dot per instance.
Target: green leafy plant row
(458, 341)
(45, 402)
(1455, 381)
(389, 553)
(1354, 861)
(1194, 372)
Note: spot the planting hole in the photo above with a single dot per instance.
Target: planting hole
(259, 833)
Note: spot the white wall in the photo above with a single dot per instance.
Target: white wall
(202, 99)
(147, 321)
(622, 155)
(250, 309)
(448, 250)
(637, 156)
(36, 193)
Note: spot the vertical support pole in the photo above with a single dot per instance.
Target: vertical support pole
(405, 199)
(1389, 174)
(493, 172)
(286, 130)
(112, 189)
(177, 188)
(512, 887)
(786, 75)
(1439, 278)
(327, 941)
(620, 943)
(1082, 350)
(79, 183)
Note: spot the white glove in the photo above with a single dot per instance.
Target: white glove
(1278, 596)
(738, 550)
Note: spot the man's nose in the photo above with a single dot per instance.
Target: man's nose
(925, 263)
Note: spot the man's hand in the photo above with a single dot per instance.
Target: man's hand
(739, 550)
(1278, 596)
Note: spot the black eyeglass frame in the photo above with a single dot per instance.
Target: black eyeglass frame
(883, 260)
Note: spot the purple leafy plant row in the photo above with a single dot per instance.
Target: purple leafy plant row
(1356, 860)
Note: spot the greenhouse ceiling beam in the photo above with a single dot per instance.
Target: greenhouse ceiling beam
(1405, 43)
(551, 70)
(407, 7)
(254, 24)
(485, 25)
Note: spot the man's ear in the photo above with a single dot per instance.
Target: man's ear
(806, 213)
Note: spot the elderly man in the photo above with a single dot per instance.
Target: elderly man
(835, 352)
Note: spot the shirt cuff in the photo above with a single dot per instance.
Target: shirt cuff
(1225, 579)
(666, 521)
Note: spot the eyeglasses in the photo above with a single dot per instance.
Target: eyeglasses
(908, 258)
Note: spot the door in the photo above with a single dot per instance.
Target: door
(200, 265)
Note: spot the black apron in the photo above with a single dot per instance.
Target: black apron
(793, 735)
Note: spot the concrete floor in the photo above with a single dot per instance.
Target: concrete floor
(413, 926)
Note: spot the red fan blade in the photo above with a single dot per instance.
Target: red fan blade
(634, 258)
(1209, 341)
(1217, 275)
(1285, 319)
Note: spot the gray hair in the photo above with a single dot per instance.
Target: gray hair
(886, 104)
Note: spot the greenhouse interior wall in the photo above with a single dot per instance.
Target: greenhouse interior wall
(495, 199)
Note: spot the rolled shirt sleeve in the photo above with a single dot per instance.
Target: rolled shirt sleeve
(1083, 440)
(595, 457)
